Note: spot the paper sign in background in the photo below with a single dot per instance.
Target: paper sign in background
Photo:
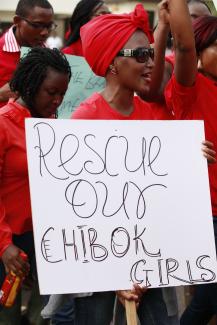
(118, 202)
(83, 83)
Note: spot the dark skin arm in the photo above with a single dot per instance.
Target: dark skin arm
(177, 15)
(162, 70)
(184, 45)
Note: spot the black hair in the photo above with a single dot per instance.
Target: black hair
(80, 16)
(32, 70)
(25, 6)
(201, 2)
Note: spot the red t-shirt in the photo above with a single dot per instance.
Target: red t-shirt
(15, 207)
(74, 49)
(96, 108)
(198, 103)
(171, 59)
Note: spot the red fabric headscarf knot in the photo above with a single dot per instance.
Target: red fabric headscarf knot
(104, 36)
(140, 20)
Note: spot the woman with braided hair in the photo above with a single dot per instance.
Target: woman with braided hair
(40, 82)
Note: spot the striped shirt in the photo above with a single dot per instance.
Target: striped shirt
(10, 44)
(9, 58)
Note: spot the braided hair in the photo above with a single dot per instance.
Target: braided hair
(80, 16)
(32, 70)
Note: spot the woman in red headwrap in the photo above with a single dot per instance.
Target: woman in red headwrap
(117, 47)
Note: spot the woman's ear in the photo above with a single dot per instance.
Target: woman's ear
(112, 68)
(199, 63)
(17, 20)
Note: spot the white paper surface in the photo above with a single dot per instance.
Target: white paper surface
(118, 202)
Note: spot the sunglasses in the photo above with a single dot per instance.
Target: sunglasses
(141, 54)
(40, 26)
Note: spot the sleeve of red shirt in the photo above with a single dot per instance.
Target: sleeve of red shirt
(84, 112)
(180, 99)
(5, 231)
(171, 59)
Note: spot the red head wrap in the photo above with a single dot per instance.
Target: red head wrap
(104, 36)
(205, 32)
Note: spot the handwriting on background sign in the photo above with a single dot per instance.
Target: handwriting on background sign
(84, 166)
(88, 81)
(83, 84)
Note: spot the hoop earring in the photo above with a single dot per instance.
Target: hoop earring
(112, 69)
(56, 115)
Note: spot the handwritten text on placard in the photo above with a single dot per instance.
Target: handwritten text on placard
(116, 203)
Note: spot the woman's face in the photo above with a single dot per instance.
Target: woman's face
(131, 74)
(208, 61)
(50, 94)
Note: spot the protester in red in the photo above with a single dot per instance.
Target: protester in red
(192, 94)
(164, 65)
(83, 12)
(40, 81)
(117, 47)
(32, 24)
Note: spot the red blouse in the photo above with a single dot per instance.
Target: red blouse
(198, 102)
(96, 108)
(15, 206)
(74, 49)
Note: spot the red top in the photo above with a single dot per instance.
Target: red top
(9, 57)
(198, 103)
(96, 108)
(74, 49)
(171, 59)
(15, 207)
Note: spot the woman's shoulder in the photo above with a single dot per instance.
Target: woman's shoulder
(14, 113)
(142, 109)
(5, 111)
(88, 108)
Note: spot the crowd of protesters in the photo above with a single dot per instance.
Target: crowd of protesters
(141, 84)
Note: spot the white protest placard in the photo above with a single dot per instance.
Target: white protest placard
(119, 202)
